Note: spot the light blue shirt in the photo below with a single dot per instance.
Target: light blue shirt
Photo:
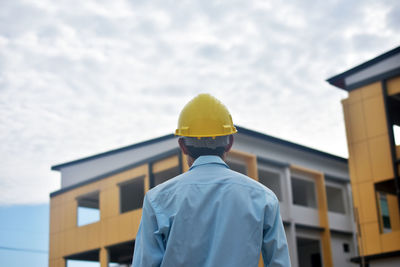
(210, 216)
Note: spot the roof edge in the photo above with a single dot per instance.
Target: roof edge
(290, 144)
(111, 152)
(338, 80)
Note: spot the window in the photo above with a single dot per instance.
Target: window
(165, 175)
(384, 212)
(88, 209)
(335, 199)
(131, 194)
(303, 192)
(396, 134)
(236, 165)
(309, 252)
(271, 179)
(387, 202)
(346, 248)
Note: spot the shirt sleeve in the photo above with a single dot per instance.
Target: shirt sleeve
(149, 245)
(274, 248)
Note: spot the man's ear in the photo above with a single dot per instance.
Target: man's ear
(182, 145)
(229, 146)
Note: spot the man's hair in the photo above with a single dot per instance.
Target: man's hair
(206, 146)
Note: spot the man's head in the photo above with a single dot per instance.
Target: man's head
(206, 127)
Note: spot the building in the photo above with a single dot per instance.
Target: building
(372, 114)
(96, 213)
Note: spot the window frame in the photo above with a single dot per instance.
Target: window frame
(126, 182)
(281, 177)
(82, 196)
(304, 177)
(344, 197)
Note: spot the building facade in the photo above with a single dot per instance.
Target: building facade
(96, 213)
(372, 115)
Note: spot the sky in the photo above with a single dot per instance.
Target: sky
(79, 78)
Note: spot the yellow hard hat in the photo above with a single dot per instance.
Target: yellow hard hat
(205, 116)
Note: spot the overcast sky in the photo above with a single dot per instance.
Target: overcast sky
(82, 77)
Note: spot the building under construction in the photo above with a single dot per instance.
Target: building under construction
(96, 213)
(372, 115)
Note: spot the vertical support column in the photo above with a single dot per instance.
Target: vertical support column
(324, 221)
(185, 166)
(103, 257)
(252, 170)
(291, 235)
(319, 179)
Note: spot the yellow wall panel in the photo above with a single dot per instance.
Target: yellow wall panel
(69, 242)
(103, 255)
(371, 90)
(375, 116)
(354, 96)
(70, 215)
(185, 166)
(356, 196)
(357, 122)
(81, 238)
(113, 201)
(390, 241)
(93, 235)
(371, 238)
(58, 200)
(380, 155)
(104, 204)
(52, 246)
(60, 262)
(130, 174)
(393, 206)
(393, 86)
(165, 164)
(352, 164)
(125, 222)
(56, 245)
(63, 214)
(368, 206)
(54, 225)
(362, 161)
(112, 228)
(62, 243)
(346, 115)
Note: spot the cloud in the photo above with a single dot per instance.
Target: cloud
(78, 78)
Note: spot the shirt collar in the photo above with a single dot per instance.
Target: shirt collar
(202, 160)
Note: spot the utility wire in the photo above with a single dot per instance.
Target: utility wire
(24, 250)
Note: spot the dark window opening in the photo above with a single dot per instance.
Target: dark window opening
(346, 247)
(272, 180)
(131, 194)
(335, 199)
(387, 202)
(237, 166)
(161, 177)
(88, 210)
(309, 252)
(384, 212)
(303, 193)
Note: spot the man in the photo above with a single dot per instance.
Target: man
(209, 216)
